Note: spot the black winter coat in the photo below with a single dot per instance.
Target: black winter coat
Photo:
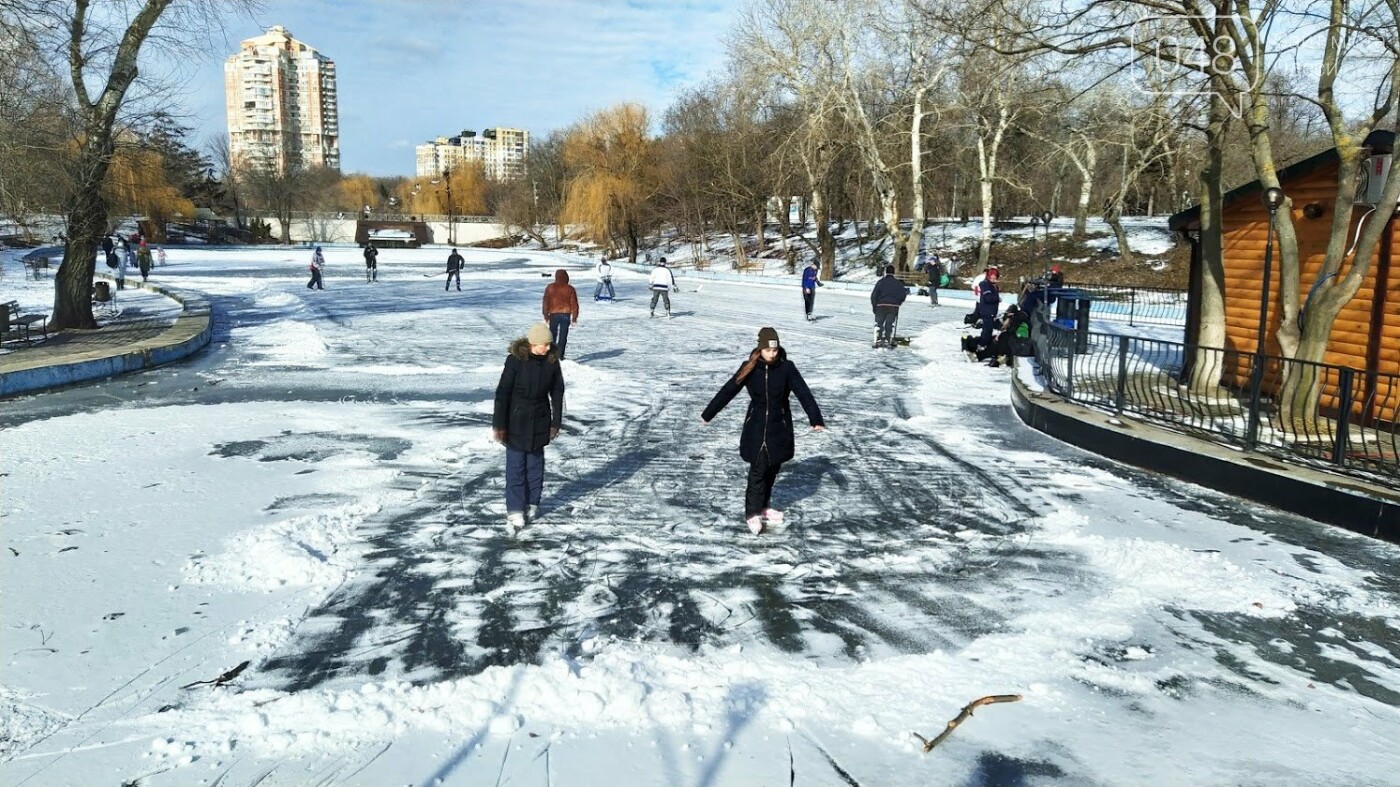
(769, 420)
(989, 301)
(888, 291)
(529, 398)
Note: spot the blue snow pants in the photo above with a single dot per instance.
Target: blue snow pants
(524, 479)
(559, 329)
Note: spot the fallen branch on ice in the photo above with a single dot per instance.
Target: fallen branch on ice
(222, 679)
(964, 716)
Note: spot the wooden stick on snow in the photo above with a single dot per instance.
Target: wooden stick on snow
(964, 716)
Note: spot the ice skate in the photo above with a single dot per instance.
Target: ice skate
(532, 513)
(773, 516)
(755, 524)
(515, 522)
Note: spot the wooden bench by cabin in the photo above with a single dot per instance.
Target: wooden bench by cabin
(36, 264)
(14, 325)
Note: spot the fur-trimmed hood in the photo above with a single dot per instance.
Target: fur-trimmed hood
(520, 348)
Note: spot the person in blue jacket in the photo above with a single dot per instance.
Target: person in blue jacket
(810, 283)
(766, 441)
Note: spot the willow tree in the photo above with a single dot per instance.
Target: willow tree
(614, 162)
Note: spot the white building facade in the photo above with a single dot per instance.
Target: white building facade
(501, 150)
(282, 105)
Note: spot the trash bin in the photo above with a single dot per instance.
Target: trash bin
(1072, 313)
(102, 292)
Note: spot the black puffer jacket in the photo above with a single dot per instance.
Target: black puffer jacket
(769, 420)
(888, 291)
(529, 398)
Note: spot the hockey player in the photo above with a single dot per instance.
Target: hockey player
(455, 263)
(662, 282)
(766, 441)
(810, 283)
(604, 272)
(371, 263)
(885, 300)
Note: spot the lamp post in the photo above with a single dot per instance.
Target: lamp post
(451, 219)
(1273, 199)
(1045, 219)
(1035, 222)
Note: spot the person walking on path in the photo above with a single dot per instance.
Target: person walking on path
(662, 282)
(604, 271)
(109, 254)
(124, 260)
(766, 441)
(885, 300)
(810, 283)
(318, 266)
(143, 259)
(371, 263)
(528, 412)
(454, 270)
(560, 309)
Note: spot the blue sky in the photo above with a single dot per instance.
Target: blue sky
(410, 70)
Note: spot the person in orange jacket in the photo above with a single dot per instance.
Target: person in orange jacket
(560, 309)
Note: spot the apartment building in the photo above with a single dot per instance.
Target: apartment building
(282, 107)
(501, 150)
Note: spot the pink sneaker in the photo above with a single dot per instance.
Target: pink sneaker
(773, 515)
(755, 523)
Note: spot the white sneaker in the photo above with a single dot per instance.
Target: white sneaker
(773, 515)
(755, 524)
(532, 513)
(515, 521)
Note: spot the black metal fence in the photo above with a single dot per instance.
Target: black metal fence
(1334, 417)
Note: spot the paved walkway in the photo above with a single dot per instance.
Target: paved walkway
(131, 340)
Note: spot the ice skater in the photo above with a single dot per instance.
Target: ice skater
(454, 270)
(662, 282)
(528, 413)
(766, 441)
(604, 272)
(143, 259)
(371, 263)
(318, 266)
(810, 283)
(885, 300)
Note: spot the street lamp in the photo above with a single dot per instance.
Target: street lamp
(1273, 199)
(451, 219)
(1035, 222)
(1046, 218)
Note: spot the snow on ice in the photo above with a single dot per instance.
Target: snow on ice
(318, 495)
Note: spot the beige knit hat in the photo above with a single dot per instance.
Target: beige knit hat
(539, 334)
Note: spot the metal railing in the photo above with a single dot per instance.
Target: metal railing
(1136, 306)
(1331, 417)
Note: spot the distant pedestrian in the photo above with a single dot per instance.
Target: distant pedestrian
(529, 410)
(143, 259)
(371, 263)
(125, 259)
(160, 256)
(937, 277)
(560, 309)
(885, 299)
(662, 282)
(109, 253)
(604, 272)
(318, 266)
(454, 270)
(810, 283)
(766, 440)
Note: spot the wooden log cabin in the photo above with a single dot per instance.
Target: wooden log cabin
(1366, 334)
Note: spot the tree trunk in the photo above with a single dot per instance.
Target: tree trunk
(826, 244)
(87, 221)
(1115, 220)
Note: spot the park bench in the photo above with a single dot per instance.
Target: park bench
(36, 264)
(14, 325)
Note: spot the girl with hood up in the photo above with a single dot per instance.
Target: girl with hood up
(528, 413)
(766, 441)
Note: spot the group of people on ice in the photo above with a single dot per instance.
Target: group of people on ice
(128, 251)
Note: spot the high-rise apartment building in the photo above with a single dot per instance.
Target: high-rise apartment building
(501, 150)
(281, 100)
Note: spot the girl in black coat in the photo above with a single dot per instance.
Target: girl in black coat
(766, 441)
(529, 410)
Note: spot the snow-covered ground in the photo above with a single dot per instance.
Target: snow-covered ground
(317, 495)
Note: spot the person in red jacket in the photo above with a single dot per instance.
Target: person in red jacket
(560, 309)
